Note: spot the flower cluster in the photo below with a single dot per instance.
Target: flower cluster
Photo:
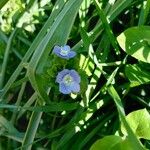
(69, 80)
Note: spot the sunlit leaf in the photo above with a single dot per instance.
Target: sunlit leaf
(135, 41)
(111, 142)
(139, 122)
(137, 75)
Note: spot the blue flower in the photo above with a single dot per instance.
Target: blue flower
(64, 52)
(68, 81)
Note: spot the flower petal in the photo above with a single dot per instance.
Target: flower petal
(75, 87)
(64, 89)
(66, 47)
(56, 50)
(71, 54)
(61, 74)
(75, 76)
(65, 57)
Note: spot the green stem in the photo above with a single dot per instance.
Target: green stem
(6, 56)
(18, 102)
(5, 39)
(27, 104)
(31, 130)
(13, 118)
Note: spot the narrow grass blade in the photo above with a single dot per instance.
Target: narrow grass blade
(31, 100)
(92, 60)
(20, 95)
(52, 107)
(117, 8)
(8, 127)
(144, 12)
(5, 39)
(31, 130)
(6, 56)
(2, 3)
(107, 27)
(132, 137)
(94, 131)
(16, 137)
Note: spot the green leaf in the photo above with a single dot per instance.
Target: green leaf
(144, 12)
(107, 27)
(111, 142)
(84, 81)
(52, 107)
(123, 145)
(2, 3)
(88, 62)
(83, 11)
(137, 75)
(31, 130)
(139, 122)
(8, 126)
(55, 107)
(106, 143)
(135, 41)
(6, 56)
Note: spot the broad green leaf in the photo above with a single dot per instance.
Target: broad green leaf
(137, 75)
(106, 143)
(111, 142)
(123, 145)
(139, 122)
(135, 41)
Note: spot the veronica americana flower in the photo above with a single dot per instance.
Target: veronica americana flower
(69, 81)
(64, 52)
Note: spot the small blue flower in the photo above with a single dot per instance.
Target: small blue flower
(64, 52)
(68, 81)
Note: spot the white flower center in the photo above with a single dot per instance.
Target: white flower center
(68, 79)
(64, 52)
